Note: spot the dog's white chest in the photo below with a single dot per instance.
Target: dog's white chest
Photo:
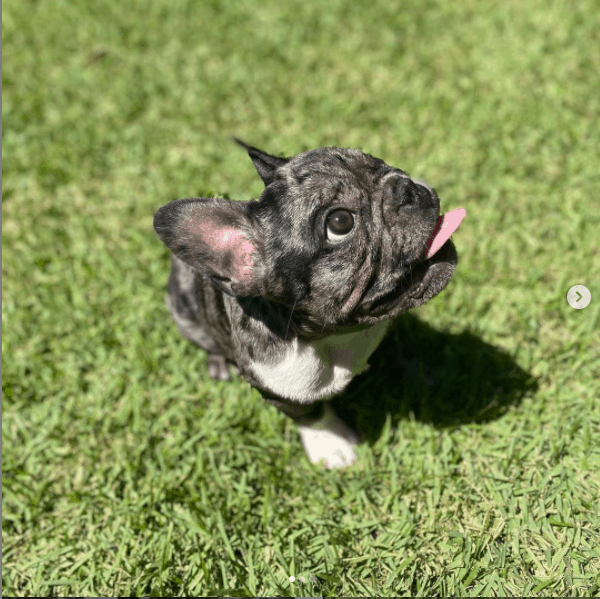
(316, 370)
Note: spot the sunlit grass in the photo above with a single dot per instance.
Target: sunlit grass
(128, 472)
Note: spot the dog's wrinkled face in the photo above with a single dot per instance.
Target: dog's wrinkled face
(337, 236)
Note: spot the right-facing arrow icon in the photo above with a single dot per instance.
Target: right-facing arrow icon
(579, 297)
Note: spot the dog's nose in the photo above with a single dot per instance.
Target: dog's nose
(423, 184)
(408, 193)
(400, 189)
(428, 195)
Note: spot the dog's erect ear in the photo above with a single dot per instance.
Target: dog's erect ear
(217, 238)
(264, 163)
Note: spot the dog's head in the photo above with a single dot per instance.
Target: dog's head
(338, 236)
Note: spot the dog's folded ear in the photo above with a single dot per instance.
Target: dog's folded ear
(264, 163)
(217, 238)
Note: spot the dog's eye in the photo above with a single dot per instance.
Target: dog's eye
(339, 224)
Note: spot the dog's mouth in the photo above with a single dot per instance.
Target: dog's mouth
(426, 278)
(444, 228)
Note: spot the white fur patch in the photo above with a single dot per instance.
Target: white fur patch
(308, 371)
(330, 440)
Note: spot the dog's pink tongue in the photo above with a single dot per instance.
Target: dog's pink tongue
(446, 225)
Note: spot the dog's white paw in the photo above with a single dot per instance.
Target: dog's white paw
(329, 439)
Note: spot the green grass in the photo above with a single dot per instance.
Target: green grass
(127, 472)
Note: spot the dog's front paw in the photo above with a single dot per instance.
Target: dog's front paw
(330, 440)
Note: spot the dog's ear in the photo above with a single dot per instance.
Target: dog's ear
(218, 238)
(264, 163)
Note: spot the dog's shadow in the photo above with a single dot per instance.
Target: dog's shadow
(439, 378)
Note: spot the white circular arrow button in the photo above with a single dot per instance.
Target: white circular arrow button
(579, 297)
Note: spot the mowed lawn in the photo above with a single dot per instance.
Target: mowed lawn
(128, 472)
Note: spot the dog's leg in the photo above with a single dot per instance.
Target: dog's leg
(187, 312)
(324, 434)
(329, 439)
(218, 367)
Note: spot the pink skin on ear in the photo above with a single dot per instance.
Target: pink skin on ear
(242, 250)
(228, 240)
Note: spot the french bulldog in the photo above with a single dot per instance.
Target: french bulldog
(296, 290)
